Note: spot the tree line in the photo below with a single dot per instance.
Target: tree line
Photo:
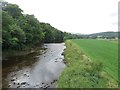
(23, 30)
(102, 35)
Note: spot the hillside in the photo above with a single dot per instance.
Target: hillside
(105, 34)
(108, 35)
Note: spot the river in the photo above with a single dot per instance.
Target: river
(39, 69)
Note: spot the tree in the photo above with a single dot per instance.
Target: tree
(33, 30)
(13, 10)
(23, 30)
(7, 21)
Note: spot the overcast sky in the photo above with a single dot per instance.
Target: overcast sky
(78, 16)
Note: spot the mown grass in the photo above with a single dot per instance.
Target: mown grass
(101, 50)
(82, 72)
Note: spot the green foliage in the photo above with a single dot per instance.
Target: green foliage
(13, 10)
(70, 36)
(7, 20)
(14, 42)
(20, 30)
(52, 34)
(82, 72)
(17, 32)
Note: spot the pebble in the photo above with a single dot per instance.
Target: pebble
(14, 83)
(9, 85)
(18, 83)
(25, 74)
(23, 83)
(12, 79)
(18, 86)
(55, 80)
(45, 87)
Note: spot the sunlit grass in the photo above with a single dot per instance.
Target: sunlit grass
(82, 72)
(101, 50)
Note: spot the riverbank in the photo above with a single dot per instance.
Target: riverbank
(28, 50)
(82, 72)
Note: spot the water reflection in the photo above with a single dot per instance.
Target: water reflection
(43, 71)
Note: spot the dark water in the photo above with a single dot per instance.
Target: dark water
(39, 69)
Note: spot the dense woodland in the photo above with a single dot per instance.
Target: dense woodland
(23, 30)
(20, 31)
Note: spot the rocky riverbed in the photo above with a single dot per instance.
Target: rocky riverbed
(42, 74)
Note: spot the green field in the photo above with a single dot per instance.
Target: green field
(90, 63)
(101, 50)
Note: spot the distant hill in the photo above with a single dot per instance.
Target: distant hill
(104, 35)
(101, 35)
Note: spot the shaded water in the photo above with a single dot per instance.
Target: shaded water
(39, 69)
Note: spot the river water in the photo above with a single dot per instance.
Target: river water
(39, 69)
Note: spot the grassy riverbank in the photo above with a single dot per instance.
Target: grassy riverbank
(82, 71)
